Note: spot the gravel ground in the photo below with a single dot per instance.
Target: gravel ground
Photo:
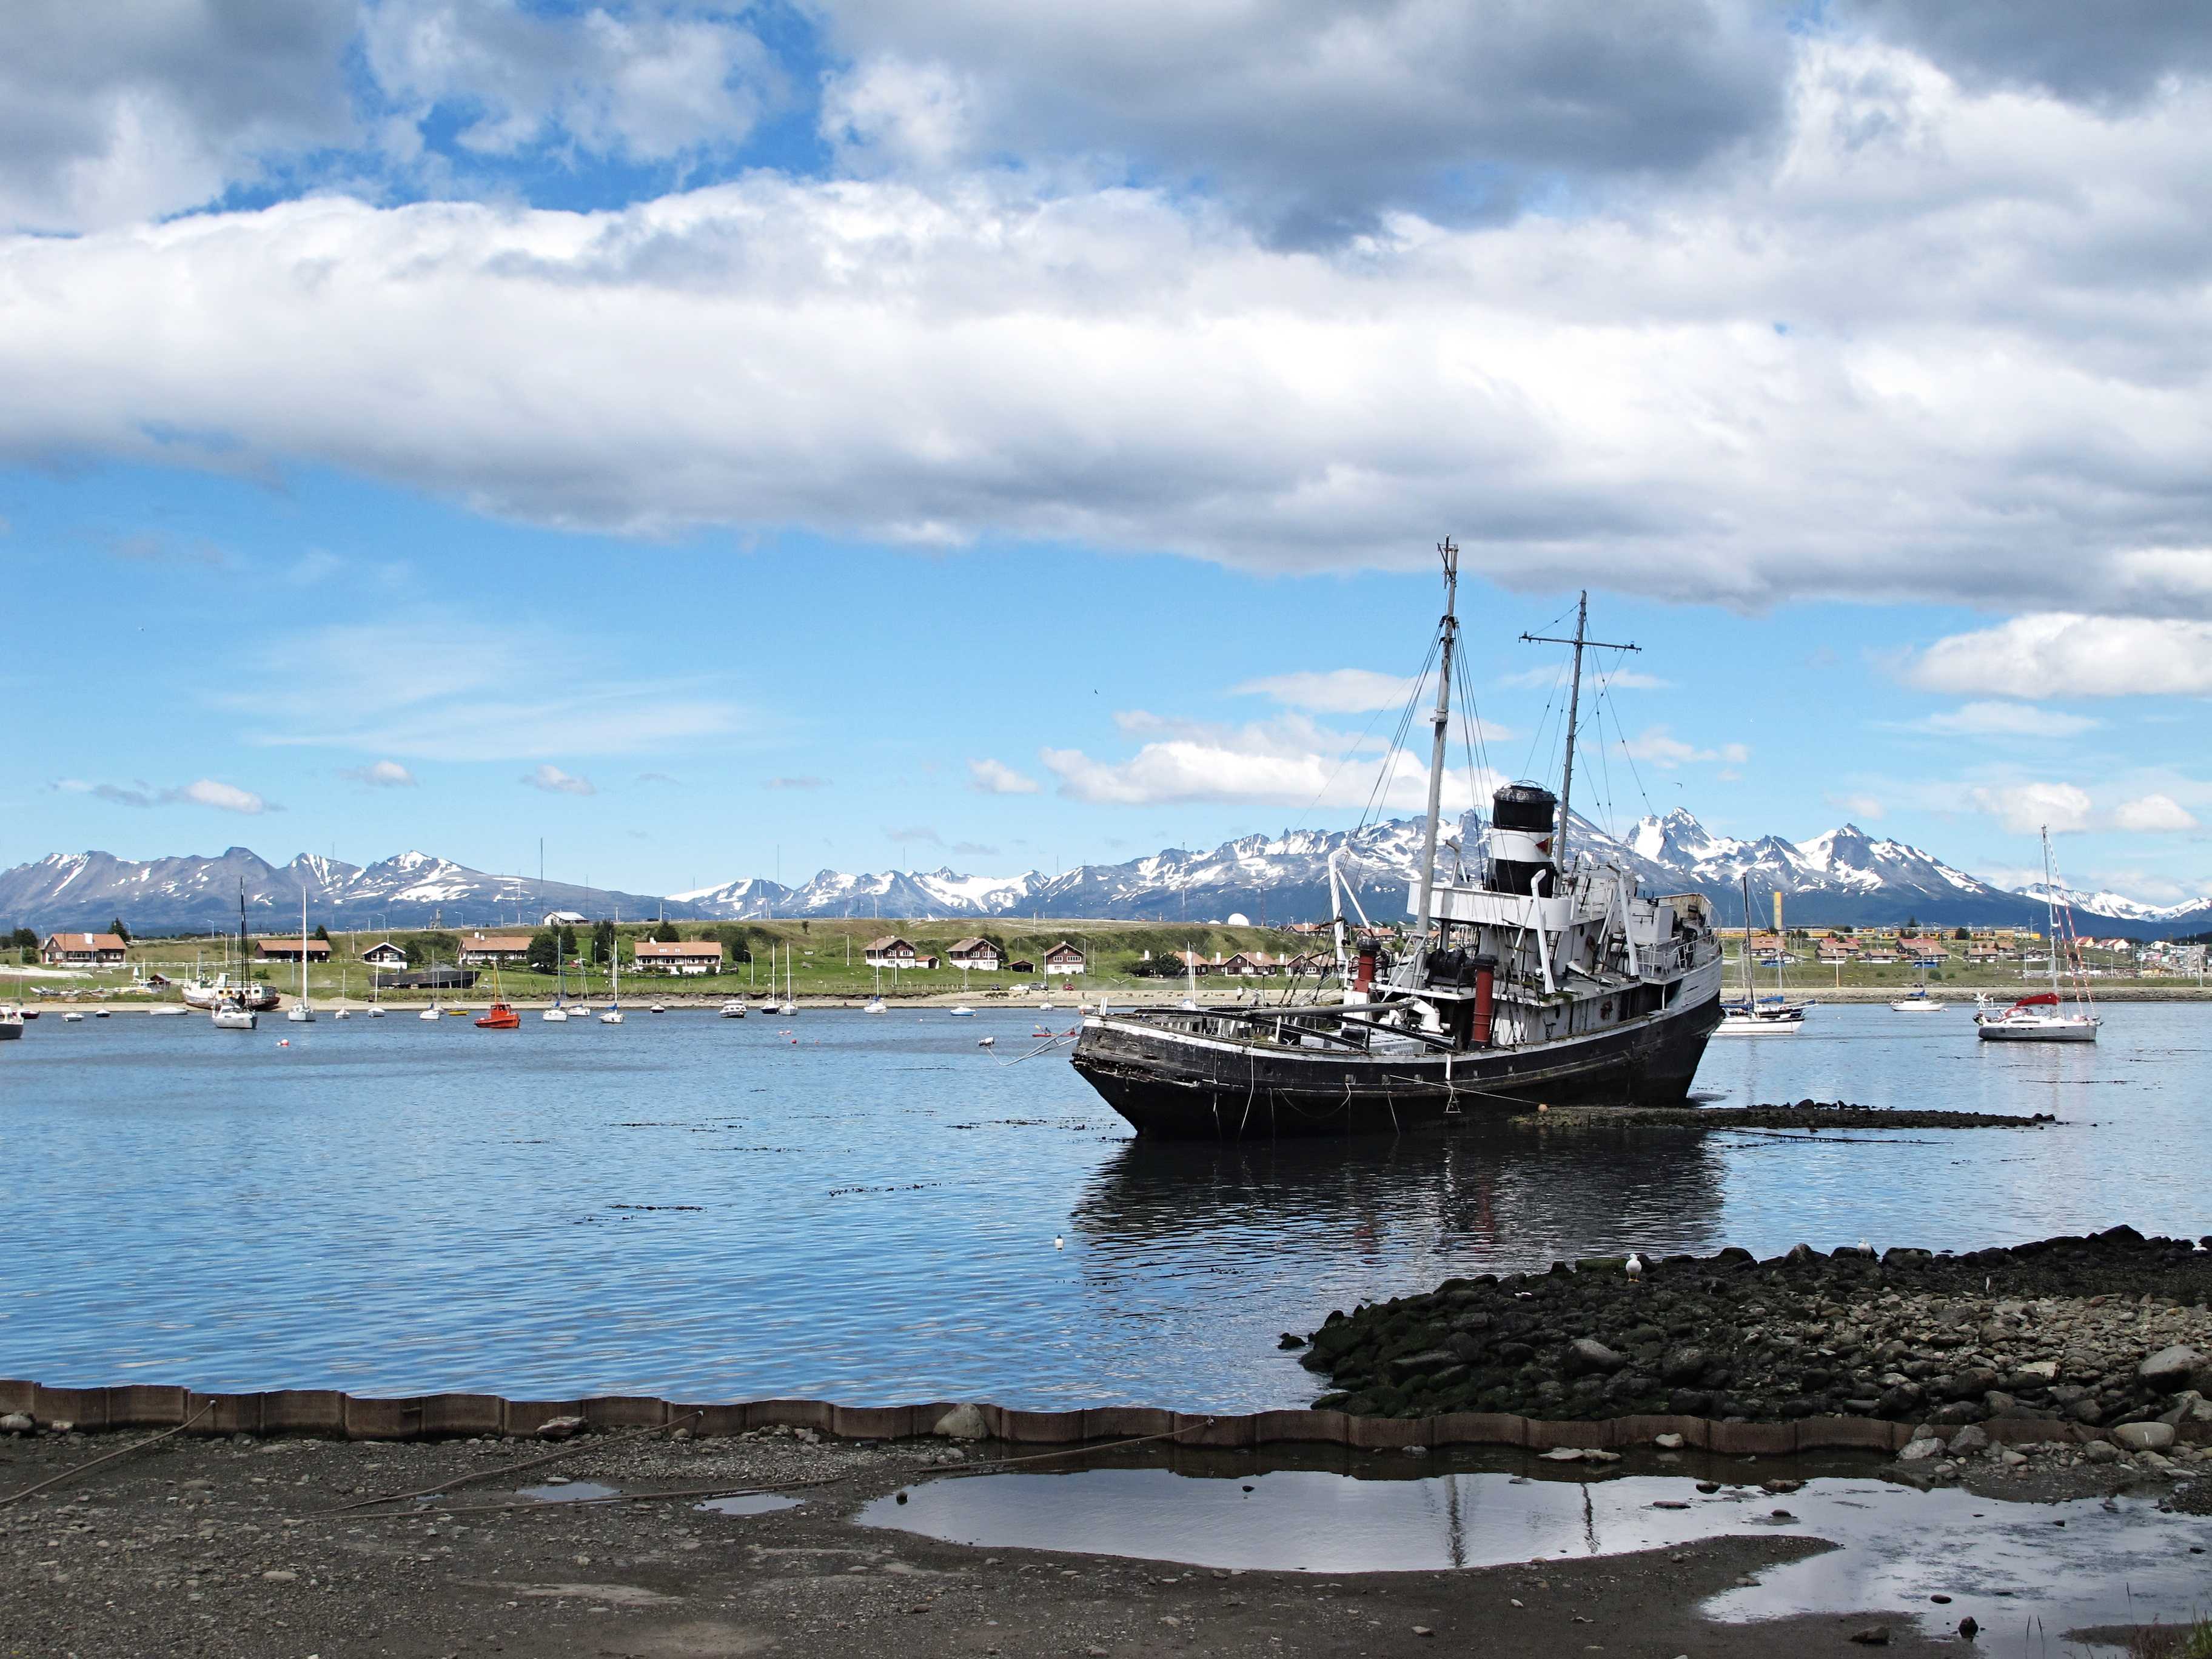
(229, 1547)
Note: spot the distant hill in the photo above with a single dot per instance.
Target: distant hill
(1843, 877)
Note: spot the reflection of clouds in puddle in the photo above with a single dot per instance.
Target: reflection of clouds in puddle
(1896, 1546)
(568, 1492)
(748, 1502)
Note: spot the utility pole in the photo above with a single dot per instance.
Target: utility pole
(1574, 709)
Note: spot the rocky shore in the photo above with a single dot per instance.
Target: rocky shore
(2097, 1333)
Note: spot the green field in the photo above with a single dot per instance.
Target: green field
(825, 958)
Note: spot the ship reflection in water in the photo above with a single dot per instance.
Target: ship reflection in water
(1496, 1199)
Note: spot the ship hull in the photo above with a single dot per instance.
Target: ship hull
(1176, 1087)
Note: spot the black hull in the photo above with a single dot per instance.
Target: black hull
(1173, 1089)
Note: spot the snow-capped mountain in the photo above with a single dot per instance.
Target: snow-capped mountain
(75, 891)
(1844, 877)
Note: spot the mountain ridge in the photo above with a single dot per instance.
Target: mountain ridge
(1846, 876)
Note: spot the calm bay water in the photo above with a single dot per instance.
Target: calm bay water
(707, 1209)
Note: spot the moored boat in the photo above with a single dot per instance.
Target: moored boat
(2037, 1018)
(1542, 981)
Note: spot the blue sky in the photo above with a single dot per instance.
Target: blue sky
(722, 441)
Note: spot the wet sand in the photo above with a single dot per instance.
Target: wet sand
(233, 1547)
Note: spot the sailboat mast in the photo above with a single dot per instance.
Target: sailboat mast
(1449, 633)
(2051, 909)
(1574, 716)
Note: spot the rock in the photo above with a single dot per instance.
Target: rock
(2144, 1437)
(1587, 1354)
(1967, 1628)
(560, 1428)
(1919, 1451)
(963, 1423)
(1290, 1340)
(1969, 1439)
(1683, 1365)
(1564, 1454)
(2170, 1369)
(1667, 1441)
(17, 1423)
(2101, 1451)
(2009, 1458)
(1412, 1364)
(281, 1575)
(2046, 1368)
(1874, 1636)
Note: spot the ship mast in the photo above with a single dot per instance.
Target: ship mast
(1574, 711)
(1449, 633)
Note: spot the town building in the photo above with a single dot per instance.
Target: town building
(384, 954)
(289, 950)
(1064, 958)
(978, 954)
(427, 979)
(82, 951)
(484, 949)
(688, 956)
(892, 951)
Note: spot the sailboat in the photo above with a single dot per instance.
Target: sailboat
(1777, 1016)
(1547, 981)
(499, 1016)
(231, 1012)
(2036, 1018)
(614, 1013)
(341, 1012)
(300, 1013)
(558, 1013)
(1917, 1001)
(433, 1011)
(790, 989)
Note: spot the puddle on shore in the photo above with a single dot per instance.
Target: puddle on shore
(568, 1492)
(748, 1502)
(2007, 1564)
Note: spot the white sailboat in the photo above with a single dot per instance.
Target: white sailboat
(1750, 1017)
(301, 1013)
(614, 1013)
(231, 1012)
(433, 1011)
(1917, 1001)
(2037, 1018)
(558, 1013)
(341, 1012)
(790, 991)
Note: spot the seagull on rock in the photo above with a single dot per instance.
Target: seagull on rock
(1635, 1266)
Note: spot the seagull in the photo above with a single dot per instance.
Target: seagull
(1635, 1266)
(1865, 1248)
(1058, 1242)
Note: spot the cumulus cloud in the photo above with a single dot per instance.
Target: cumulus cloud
(1869, 807)
(1286, 763)
(2062, 655)
(1333, 691)
(201, 792)
(555, 781)
(993, 777)
(1451, 105)
(2004, 719)
(2118, 51)
(2152, 815)
(647, 82)
(2025, 808)
(1660, 746)
(380, 774)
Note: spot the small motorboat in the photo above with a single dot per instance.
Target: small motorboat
(556, 1015)
(986, 1043)
(375, 1012)
(11, 1025)
(1919, 1002)
(499, 1016)
(232, 1015)
(100, 1013)
(72, 1018)
(961, 1013)
(656, 1008)
(174, 1011)
(734, 1008)
(875, 1005)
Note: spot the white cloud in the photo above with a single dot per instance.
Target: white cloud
(201, 792)
(1286, 763)
(380, 774)
(554, 781)
(1333, 691)
(2067, 654)
(1659, 746)
(2004, 719)
(795, 783)
(2152, 815)
(2025, 808)
(2018, 411)
(1619, 679)
(916, 832)
(993, 777)
(1869, 807)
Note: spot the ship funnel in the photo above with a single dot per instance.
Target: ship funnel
(1523, 828)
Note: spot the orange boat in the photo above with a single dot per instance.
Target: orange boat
(499, 1017)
